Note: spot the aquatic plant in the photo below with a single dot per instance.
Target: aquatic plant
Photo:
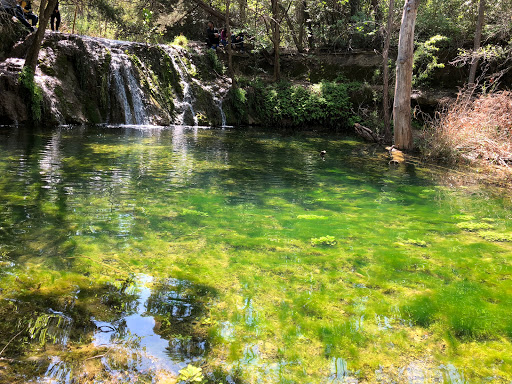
(323, 241)
(473, 227)
(495, 236)
(191, 374)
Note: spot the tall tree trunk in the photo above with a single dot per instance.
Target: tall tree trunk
(291, 28)
(276, 39)
(228, 37)
(45, 11)
(403, 87)
(377, 11)
(385, 73)
(300, 20)
(242, 5)
(476, 45)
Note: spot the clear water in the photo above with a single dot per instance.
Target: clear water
(142, 250)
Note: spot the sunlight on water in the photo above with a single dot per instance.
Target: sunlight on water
(129, 252)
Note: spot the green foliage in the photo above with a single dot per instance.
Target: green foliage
(425, 59)
(328, 241)
(213, 62)
(191, 374)
(32, 94)
(287, 104)
(181, 41)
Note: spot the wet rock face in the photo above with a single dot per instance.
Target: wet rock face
(93, 80)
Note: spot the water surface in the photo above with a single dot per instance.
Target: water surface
(128, 253)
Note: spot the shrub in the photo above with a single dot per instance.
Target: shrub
(472, 130)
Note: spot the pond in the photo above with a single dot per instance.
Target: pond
(133, 253)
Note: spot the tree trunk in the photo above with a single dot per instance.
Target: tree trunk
(376, 11)
(242, 5)
(478, 40)
(403, 87)
(228, 37)
(385, 73)
(45, 11)
(289, 21)
(300, 20)
(212, 11)
(276, 38)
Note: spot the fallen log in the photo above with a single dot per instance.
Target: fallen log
(367, 134)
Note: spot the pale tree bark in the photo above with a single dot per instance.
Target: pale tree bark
(45, 11)
(276, 38)
(477, 42)
(385, 72)
(403, 86)
(309, 24)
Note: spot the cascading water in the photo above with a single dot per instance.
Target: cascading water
(126, 88)
(186, 103)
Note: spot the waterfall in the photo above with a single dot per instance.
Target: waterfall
(126, 89)
(185, 105)
(222, 114)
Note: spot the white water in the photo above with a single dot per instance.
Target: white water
(127, 89)
(186, 103)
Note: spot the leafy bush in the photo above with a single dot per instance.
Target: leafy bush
(286, 104)
(425, 59)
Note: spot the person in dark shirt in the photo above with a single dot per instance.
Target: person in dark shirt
(27, 9)
(212, 36)
(14, 9)
(55, 18)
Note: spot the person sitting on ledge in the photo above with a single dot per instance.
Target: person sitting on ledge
(13, 9)
(237, 42)
(212, 36)
(27, 9)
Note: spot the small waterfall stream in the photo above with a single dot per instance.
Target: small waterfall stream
(186, 103)
(126, 88)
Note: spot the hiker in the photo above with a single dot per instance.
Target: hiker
(55, 18)
(224, 37)
(237, 41)
(13, 9)
(212, 36)
(27, 9)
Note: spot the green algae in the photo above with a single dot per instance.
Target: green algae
(235, 212)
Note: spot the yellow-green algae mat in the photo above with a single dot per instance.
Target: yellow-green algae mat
(147, 254)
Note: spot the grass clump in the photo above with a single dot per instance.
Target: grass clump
(180, 41)
(472, 130)
(326, 241)
(415, 242)
(473, 227)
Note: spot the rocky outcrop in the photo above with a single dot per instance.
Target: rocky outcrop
(93, 80)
